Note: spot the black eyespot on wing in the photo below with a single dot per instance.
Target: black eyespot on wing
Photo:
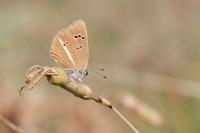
(79, 35)
(80, 46)
(76, 36)
(82, 37)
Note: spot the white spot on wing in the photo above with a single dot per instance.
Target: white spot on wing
(66, 50)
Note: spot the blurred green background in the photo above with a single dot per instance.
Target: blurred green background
(150, 49)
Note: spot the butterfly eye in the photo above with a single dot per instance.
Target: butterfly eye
(86, 73)
(79, 35)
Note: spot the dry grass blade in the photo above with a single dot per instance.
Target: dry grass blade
(145, 111)
(106, 103)
(125, 120)
(32, 69)
(34, 75)
(10, 125)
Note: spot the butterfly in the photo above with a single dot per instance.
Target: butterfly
(69, 49)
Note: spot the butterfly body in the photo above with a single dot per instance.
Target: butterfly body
(69, 49)
(77, 75)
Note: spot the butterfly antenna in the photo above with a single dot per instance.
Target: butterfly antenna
(101, 69)
(104, 76)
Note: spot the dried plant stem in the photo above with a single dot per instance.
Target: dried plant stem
(106, 103)
(125, 120)
(34, 75)
(10, 125)
(32, 69)
(57, 76)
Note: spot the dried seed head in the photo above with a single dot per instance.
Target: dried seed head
(79, 89)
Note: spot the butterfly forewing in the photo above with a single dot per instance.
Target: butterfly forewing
(69, 47)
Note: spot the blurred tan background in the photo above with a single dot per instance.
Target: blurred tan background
(150, 50)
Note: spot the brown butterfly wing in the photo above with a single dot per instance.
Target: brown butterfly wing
(58, 52)
(70, 47)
